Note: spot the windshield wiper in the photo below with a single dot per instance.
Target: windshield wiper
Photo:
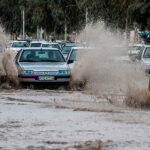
(28, 61)
(51, 61)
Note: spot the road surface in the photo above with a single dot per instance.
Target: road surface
(48, 119)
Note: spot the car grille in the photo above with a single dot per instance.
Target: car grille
(45, 72)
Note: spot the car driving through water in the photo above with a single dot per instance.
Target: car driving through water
(42, 65)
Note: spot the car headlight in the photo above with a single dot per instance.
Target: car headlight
(64, 71)
(22, 72)
(68, 71)
(28, 72)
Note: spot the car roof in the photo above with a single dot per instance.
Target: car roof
(51, 43)
(37, 41)
(62, 41)
(39, 48)
(18, 41)
(68, 45)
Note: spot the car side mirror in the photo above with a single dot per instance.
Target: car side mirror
(16, 61)
(70, 61)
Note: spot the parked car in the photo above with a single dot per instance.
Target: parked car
(67, 48)
(51, 45)
(17, 46)
(75, 54)
(42, 65)
(36, 43)
(8, 43)
(134, 51)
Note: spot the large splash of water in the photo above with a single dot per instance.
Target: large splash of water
(8, 72)
(107, 68)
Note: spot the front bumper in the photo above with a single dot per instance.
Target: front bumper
(35, 78)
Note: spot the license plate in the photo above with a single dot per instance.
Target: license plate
(45, 78)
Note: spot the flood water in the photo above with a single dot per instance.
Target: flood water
(47, 119)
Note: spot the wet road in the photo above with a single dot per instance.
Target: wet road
(46, 119)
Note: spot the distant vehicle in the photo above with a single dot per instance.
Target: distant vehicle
(67, 48)
(36, 43)
(18, 45)
(51, 45)
(8, 43)
(134, 50)
(42, 65)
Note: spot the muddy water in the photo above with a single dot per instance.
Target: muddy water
(44, 120)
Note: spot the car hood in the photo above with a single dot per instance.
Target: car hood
(15, 49)
(71, 66)
(44, 66)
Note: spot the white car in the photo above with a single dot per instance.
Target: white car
(134, 50)
(75, 54)
(36, 43)
(51, 45)
(17, 46)
(42, 65)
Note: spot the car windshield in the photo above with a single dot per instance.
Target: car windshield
(41, 56)
(51, 45)
(135, 48)
(66, 49)
(73, 55)
(19, 44)
(35, 45)
(147, 53)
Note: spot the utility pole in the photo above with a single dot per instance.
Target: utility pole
(65, 32)
(86, 17)
(86, 22)
(23, 27)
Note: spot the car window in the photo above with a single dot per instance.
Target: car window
(20, 44)
(41, 56)
(35, 45)
(147, 53)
